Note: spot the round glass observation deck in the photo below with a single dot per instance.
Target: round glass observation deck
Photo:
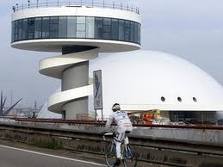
(52, 25)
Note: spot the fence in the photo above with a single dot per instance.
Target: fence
(75, 3)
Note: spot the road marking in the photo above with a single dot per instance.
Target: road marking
(53, 156)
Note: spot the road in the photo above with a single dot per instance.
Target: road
(14, 157)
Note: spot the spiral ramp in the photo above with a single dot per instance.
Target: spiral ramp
(73, 70)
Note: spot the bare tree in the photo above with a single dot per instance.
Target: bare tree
(3, 99)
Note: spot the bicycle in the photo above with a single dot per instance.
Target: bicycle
(129, 158)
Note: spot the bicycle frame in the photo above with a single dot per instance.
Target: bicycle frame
(128, 154)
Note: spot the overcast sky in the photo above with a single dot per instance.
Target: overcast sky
(192, 29)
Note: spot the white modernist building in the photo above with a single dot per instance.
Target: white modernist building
(80, 31)
(138, 80)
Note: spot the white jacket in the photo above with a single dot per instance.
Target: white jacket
(122, 120)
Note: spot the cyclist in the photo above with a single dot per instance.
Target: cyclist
(124, 126)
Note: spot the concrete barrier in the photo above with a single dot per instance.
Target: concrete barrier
(152, 145)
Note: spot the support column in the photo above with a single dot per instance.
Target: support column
(75, 76)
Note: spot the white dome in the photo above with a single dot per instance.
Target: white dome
(137, 80)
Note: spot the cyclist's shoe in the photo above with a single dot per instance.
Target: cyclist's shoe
(117, 162)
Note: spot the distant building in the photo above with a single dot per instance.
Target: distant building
(24, 112)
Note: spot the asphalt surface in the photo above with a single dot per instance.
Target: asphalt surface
(15, 157)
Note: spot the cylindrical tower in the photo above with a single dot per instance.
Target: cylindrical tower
(80, 31)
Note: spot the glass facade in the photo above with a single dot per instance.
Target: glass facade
(72, 27)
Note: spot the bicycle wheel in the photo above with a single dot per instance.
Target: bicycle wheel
(110, 154)
(130, 157)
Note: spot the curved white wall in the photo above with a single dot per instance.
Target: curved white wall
(55, 45)
(139, 79)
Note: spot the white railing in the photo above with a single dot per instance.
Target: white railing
(73, 3)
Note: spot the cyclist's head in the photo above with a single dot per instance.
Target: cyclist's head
(116, 107)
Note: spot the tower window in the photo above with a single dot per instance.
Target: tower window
(81, 27)
(99, 28)
(107, 28)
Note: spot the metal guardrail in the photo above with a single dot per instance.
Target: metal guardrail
(75, 3)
